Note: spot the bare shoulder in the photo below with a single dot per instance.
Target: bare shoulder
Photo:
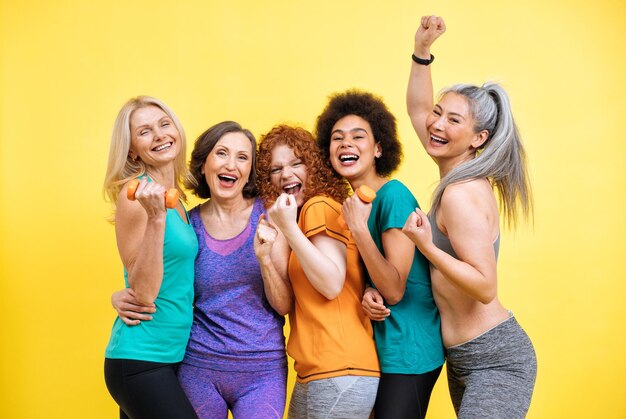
(479, 190)
(473, 201)
(474, 194)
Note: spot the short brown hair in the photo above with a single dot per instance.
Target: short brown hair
(202, 148)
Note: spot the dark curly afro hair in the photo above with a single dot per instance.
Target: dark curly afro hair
(375, 112)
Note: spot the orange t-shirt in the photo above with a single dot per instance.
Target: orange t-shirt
(329, 338)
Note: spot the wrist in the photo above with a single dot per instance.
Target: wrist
(427, 249)
(290, 230)
(359, 230)
(264, 260)
(157, 218)
(423, 59)
(421, 49)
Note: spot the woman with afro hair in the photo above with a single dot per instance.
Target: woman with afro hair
(357, 134)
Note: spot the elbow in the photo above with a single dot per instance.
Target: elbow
(394, 297)
(145, 297)
(145, 301)
(393, 301)
(283, 308)
(146, 289)
(283, 311)
(394, 292)
(487, 300)
(487, 297)
(331, 288)
(332, 293)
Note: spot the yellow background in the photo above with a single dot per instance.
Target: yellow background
(67, 66)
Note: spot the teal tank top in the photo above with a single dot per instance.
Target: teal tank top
(164, 338)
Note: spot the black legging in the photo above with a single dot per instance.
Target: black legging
(404, 396)
(147, 390)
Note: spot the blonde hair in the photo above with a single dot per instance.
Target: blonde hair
(121, 168)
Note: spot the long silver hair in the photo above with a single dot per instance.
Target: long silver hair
(501, 159)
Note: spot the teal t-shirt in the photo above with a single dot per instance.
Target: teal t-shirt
(164, 338)
(409, 340)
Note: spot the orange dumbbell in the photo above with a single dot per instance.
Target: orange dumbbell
(365, 194)
(171, 196)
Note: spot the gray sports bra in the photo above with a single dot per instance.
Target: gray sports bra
(442, 242)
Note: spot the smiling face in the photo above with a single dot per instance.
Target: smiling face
(227, 167)
(288, 172)
(154, 137)
(451, 129)
(353, 148)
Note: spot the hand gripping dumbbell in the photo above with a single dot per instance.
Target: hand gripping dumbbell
(365, 194)
(171, 196)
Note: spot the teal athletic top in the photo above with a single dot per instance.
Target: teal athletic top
(164, 338)
(409, 340)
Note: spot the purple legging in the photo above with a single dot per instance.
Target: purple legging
(257, 394)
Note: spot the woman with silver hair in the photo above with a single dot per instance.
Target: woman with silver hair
(471, 135)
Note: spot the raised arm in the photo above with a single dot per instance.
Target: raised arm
(140, 233)
(322, 258)
(419, 95)
(272, 252)
(470, 220)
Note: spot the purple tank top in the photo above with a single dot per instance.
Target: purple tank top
(234, 327)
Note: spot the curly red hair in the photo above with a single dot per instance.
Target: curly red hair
(321, 178)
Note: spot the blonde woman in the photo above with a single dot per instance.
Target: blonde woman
(235, 359)
(157, 247)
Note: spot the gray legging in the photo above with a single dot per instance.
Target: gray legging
(493, 375)
(345, 397)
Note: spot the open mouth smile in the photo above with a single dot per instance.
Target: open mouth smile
(163, 146)
(227, 179)
(292, 188)
(438, 140)
(348, 158)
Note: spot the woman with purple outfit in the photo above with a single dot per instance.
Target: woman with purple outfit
(235, 358)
